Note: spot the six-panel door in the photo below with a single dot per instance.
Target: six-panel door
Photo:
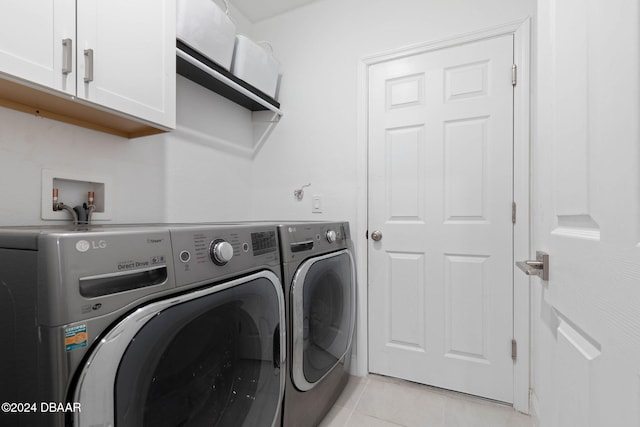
(440, 191)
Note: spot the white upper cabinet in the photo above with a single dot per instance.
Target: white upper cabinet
(117, 58)
(126, 56)
(31, 42)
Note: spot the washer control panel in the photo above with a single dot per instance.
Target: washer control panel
(215, 251)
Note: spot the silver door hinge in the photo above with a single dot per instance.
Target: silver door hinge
(514, 74)
(514, 350)
(513, 212)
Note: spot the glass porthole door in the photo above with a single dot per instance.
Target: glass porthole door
(210, 357)
(323, 316)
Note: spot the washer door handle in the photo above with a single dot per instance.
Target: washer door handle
(276, 347)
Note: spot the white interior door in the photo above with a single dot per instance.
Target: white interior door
(440, 192)
(586, 210)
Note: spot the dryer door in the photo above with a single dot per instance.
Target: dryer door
(208, 357)
(323, 307)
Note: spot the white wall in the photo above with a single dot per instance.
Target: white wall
(318, 140)
(208, 169)
(200, 172)
(29, 144)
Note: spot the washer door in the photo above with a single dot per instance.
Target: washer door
(323, 315)
(209, 357)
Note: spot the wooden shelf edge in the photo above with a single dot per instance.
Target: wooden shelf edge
(42, 103)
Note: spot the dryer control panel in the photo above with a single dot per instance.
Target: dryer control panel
(301, 240)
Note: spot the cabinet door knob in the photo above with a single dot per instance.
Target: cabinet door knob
(88, 65)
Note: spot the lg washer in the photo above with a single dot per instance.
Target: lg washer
(158, 325)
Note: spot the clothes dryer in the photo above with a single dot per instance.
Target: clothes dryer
(320, 292)
(159, 325)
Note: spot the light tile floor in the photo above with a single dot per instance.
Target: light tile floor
(381, 401)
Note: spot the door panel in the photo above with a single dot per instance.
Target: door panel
(440, 190)
(465, 153)
(407, 308)
(404, 148)
(586, 340)
(466, 312)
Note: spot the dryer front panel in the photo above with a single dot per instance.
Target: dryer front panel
(323, 315)
(208, 357)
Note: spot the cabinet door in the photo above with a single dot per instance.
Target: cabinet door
(31, 42)
(132, 69)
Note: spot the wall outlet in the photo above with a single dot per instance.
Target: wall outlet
(73, 188)
(316, 203)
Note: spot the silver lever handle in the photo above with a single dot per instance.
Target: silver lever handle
(538, 267)
(67, 52)
(88, 65)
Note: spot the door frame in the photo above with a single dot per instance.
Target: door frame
(521, 30)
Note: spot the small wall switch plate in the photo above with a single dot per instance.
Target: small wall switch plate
(316, 203)
(73, 188)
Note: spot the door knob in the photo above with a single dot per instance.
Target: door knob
(538, 267)
(376, 235)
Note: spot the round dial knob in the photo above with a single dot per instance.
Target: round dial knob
(331, 236)
(220, 252)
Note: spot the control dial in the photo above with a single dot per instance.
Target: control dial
(331, 236)
(220, 252)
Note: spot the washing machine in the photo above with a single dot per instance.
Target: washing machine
(318, 272)
(159, 325)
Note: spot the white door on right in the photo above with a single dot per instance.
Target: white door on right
(586, 214)
(440, 193)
